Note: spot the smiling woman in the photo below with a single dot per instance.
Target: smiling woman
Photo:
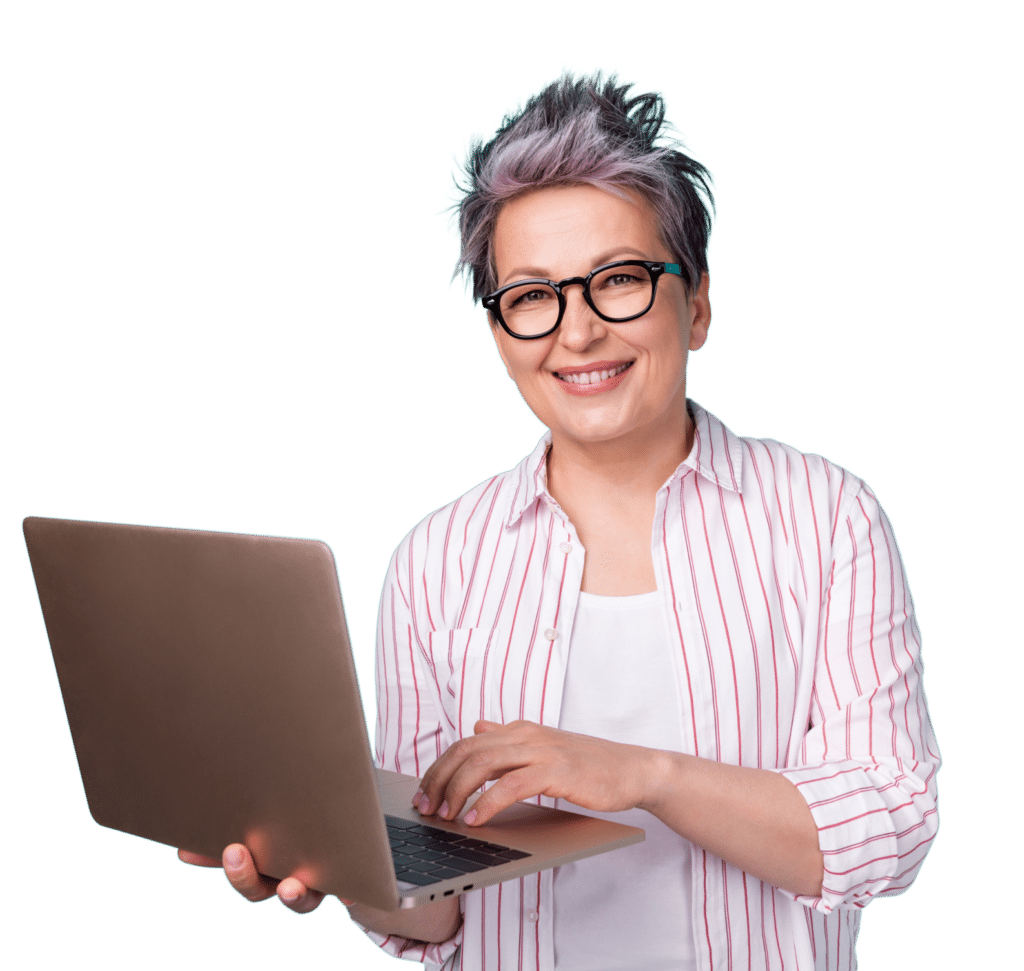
(706, 636)
(607, 391)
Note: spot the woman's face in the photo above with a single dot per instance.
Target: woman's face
(567, 231)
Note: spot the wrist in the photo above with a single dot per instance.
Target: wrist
(661, 776)
(433, 923)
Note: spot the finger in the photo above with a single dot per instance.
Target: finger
(483, 765)
(297, 896)
(483, 726)
(431, 796)
(436, 786)
(197, 859)
(512, 787)
(241, 872)
(436, 776)
(426, 799)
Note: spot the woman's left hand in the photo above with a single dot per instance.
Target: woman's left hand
(528, 760)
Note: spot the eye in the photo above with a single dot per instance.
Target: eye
(527, 296)
(620, 279)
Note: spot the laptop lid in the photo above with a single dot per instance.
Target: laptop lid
(211, 694)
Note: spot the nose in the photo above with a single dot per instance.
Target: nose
(580, 326)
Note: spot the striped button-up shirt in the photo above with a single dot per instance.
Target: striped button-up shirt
(784, 595)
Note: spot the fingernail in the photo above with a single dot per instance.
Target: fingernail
(416, 799)
(424, 805)
(233, 857)
(443, 811)
(471, 817)
(290, 895)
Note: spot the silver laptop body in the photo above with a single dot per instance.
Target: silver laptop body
(211, 695)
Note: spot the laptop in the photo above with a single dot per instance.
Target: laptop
(211, 694)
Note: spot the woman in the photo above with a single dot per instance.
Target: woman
(706, 636)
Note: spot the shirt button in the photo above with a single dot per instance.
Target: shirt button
(531, 915)
(551, 633)
(566, 547)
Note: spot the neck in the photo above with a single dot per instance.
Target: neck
(636, 468)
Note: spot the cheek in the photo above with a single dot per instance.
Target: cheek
(528, 371)
(668, 362)
(525, 369)
(526, 359)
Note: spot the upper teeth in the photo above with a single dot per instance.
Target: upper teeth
(592, 377)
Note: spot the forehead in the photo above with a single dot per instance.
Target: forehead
(567, 230)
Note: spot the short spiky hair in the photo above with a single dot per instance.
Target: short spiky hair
(585, 132)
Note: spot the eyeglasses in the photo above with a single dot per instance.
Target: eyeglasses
(616, 292)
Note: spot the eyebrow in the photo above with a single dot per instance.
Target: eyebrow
(536, 272)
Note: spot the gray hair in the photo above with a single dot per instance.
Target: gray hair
(585, 132)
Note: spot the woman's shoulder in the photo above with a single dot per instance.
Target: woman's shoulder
(805, 487)
(796, 469)
(768, 470)
(487, 506)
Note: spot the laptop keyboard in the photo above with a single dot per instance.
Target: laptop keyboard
(425, 854)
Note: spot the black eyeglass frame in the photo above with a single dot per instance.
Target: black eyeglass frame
(492, 301)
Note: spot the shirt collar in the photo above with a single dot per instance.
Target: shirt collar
(717, 455)
(531, 481)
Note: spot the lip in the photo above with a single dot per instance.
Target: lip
(595, 366)
(585, 390)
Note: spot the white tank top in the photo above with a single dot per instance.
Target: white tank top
(628, 910)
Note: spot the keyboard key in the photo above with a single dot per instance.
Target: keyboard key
(484, 858)
(430, 855)
(399, 823)
(422, 830)
(444, 837)
(446, 873)
(419, 879)
(508, 855)
(465, 866)
(422, 866)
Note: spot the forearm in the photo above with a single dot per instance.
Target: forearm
(754, 819)
(434, 922)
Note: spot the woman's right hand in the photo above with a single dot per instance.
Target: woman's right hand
(241, 873)
(435, 921)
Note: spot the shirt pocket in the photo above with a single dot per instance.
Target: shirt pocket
(462, 662)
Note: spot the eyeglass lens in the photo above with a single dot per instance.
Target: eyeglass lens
(618, 292)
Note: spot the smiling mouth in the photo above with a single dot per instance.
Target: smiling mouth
(593, 377)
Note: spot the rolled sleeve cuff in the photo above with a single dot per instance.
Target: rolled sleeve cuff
(441, 955)
(855, 833)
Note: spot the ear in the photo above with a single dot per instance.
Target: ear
(700, 307)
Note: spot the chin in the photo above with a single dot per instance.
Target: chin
(596, 433)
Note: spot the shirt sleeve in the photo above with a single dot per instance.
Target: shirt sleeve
(408, 731)
(869, 759)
